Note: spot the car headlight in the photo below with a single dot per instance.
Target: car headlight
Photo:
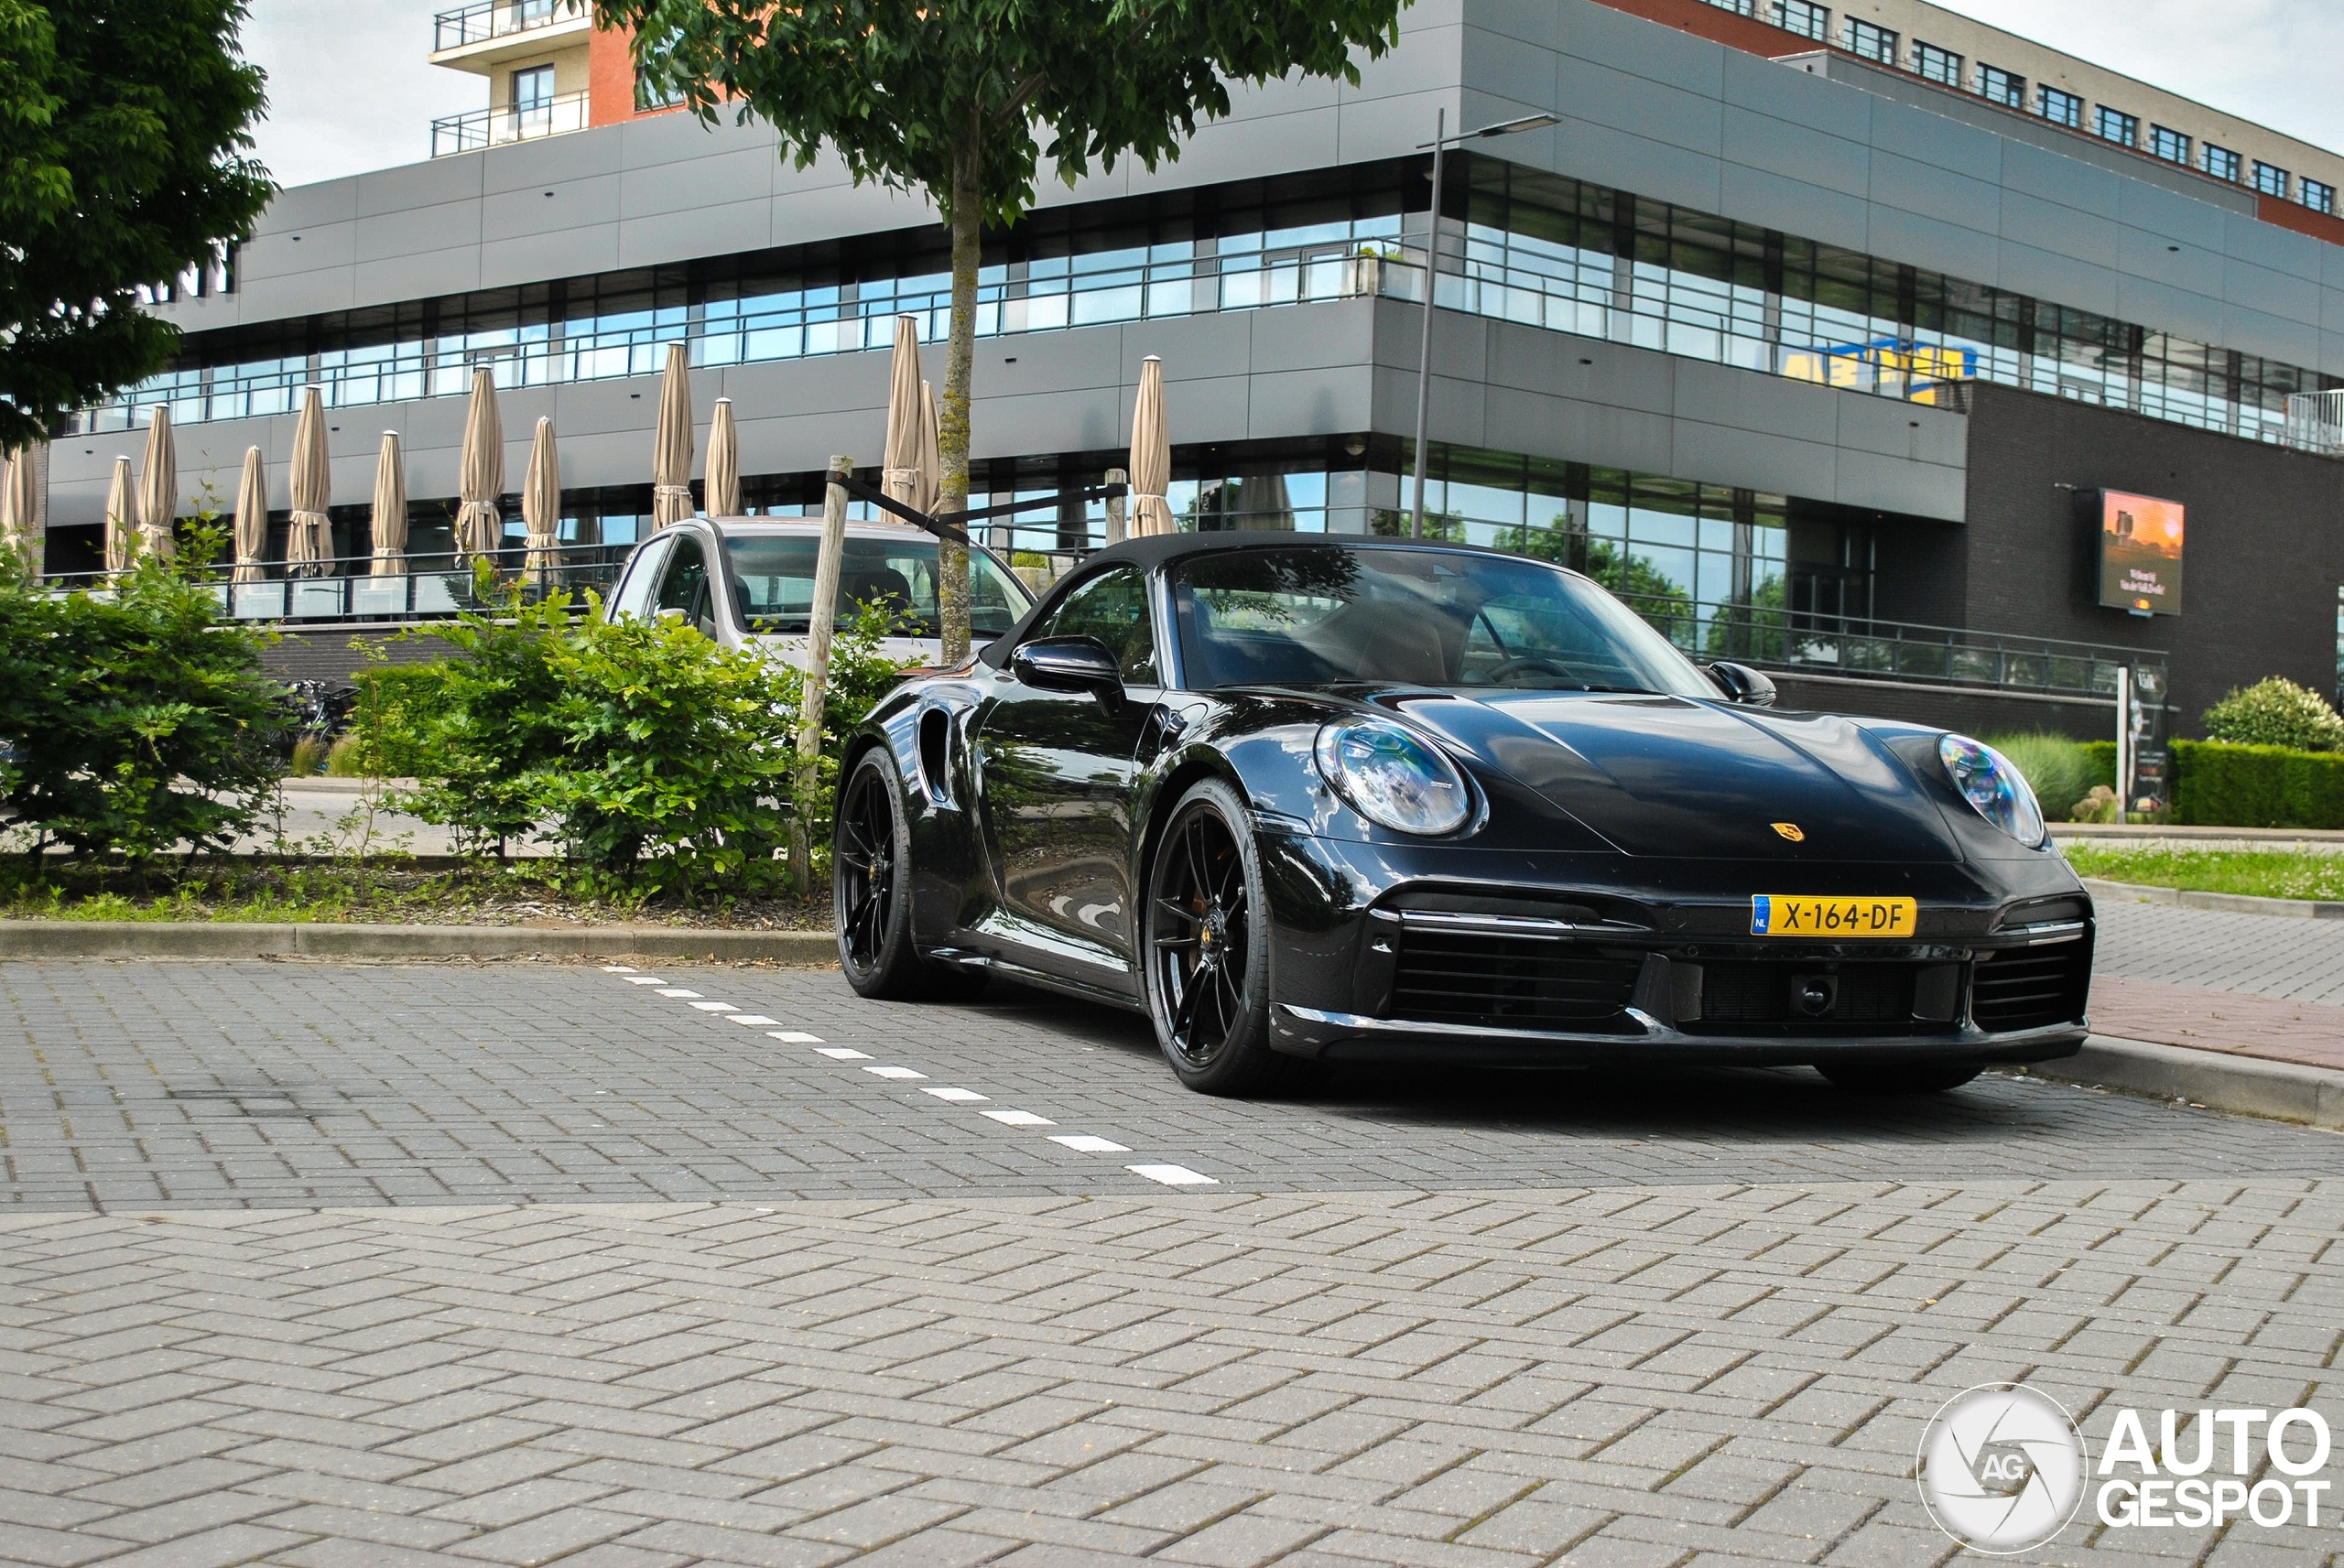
(1392, 778)
(1989, 782)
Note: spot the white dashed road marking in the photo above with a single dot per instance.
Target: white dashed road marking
(843, 1054)
(894, 1072)
(1014, 1117)
(1173, 1175)
(792, 1038)
(958, 1097)
(712, 1006)
(618, 969)
(644, 981)
(754, 1020)
(1087, 1144)
(678, 990)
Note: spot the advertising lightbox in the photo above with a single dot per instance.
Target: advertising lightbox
(2138, 552)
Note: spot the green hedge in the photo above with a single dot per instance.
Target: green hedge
(396, 703)
(2101, 754)
(2256, 786)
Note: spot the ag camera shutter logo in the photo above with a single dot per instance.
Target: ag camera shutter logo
(2001, 1468)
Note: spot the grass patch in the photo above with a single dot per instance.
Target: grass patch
(2264, 873)
(488, 892)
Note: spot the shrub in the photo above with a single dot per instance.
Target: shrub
(2217, 785)
(136, 721)
(2099, 805)
(391, 718)
(348, 758)
(2102, 756)
(2277, 712)
(2057, 769)
(310, 753)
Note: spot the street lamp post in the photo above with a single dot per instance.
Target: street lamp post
(1441, 140)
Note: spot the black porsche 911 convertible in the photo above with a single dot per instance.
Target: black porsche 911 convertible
(1301, 797)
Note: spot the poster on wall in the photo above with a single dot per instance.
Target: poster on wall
(2139, 553)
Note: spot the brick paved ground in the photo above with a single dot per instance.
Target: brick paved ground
(2248, 984)
(606, 1278)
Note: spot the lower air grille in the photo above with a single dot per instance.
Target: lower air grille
(2031, 987)
(1511, 982)
(1773, 992)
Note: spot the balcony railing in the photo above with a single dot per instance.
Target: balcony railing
(432, 588)
(499, 19)
(554, 116)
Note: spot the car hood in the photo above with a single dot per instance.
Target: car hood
(1665, 776)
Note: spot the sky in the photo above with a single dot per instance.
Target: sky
(349, 89)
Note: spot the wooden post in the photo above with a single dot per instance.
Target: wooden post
(821, 621)
(1115, 534)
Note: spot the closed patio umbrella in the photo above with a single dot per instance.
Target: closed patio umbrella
(389, 522)
(20, 509)
(899, 459)
(931, 461)
(122, 532)
(723, 462)
(158, 488)
(671, 449)
(1151, 454)
(541, 503)
(252, 517)
(480, 528)
(309, 544)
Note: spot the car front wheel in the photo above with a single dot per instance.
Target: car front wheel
(1205, 947)
(871, 891)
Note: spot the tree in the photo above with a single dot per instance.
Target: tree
(953, 97)
(123, 131)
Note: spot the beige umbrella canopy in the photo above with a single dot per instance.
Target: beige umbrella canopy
(252, 517)
(541, 501)
(931, 461)
(122, 532)
(1151, 454)
(671, 450)
(389, 522)
(20, 509)
(479, 526)
(723, 462)
(158, 488)
(899, 461)
(309, 542)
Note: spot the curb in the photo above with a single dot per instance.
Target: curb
(2230, 903)
(2242, 1085)
(2152, 831)
(232, 939)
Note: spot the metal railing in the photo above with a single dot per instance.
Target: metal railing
(2316, 422)
(1804, 643)
(432, 587)
(489, 19)
(555, 116)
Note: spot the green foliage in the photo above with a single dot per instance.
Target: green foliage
(124, 132)
(2277, 712)
(2100, 756)
(646, 750)
(389, 723)
(1387, 524)
(2256, 786)
(901, 89)
(348, 758)
(308, 759)
(2259, 873)
(2055, 767)
(135, 721)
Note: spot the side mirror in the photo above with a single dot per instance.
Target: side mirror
(1069, 663)
(1743, 685)
(671, 616)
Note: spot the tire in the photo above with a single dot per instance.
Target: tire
(870, 893)
(1900, 1077)
(1205, 948)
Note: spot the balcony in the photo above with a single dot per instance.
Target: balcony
(469, 132)
(470, 27)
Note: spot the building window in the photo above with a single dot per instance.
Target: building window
(2115, 126)
(1739, 7)
(1934, 64)
(2319, 197)
(2222, 163)
(1805, 18)
(1871, 42)
(2171, 145)
(533, 90)
(2270, 178)
(2063, 108)
(2001, 87)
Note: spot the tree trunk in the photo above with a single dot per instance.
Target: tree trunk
(967, 219)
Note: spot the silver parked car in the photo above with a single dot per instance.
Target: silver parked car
(749, 581)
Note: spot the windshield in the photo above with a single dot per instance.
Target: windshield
(1318, 616)
(774, 578)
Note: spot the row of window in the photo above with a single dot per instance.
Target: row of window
(1882, 46)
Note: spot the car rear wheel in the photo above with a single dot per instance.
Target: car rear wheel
(870, 893)
(1206, 946)
(1901, 1077)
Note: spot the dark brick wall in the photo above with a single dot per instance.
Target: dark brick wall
(2264, 552)
(326, 653)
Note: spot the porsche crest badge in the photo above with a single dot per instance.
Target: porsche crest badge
(1790, 830)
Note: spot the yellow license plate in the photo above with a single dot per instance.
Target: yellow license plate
(1782, 915)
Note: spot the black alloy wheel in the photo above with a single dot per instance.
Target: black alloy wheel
(1205, 951)
(871, 891)
(1900, 1077)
